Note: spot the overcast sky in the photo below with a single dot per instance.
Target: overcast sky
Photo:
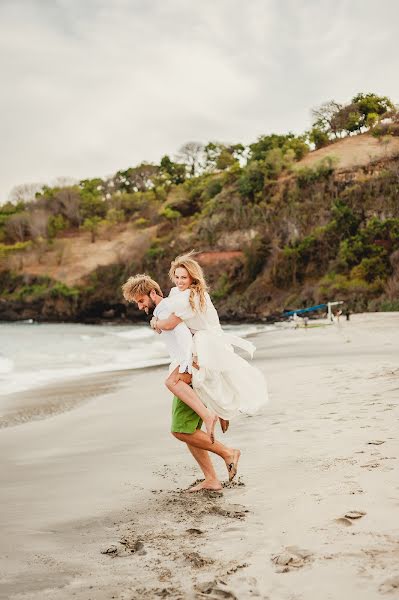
(89, 87)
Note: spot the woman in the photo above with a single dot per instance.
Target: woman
(225, 382)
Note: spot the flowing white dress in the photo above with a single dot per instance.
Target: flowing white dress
(225, 382)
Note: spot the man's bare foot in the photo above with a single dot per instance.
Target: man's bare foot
(224, 424)
(232, 464)
(210, 424)
(209, 484)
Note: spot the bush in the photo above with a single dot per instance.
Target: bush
(61, 290)
(6, 249)
(252, 179)
(170, 213)
(141, 222)
(213, 188)
(322, 170)
(256, 255)
(383, 129)
(222, 287)
(56, 223)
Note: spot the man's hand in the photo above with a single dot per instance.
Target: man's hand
(185, 377)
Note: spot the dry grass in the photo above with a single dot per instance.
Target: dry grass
(354, 151)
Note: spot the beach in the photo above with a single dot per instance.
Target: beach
(92, 482)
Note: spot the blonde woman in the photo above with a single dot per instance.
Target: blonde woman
(225, 382)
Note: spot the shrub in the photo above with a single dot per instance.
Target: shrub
(256, 255)
(141, 222)
(322, 170)
(61, 290)
(170, 213)
(7, 249)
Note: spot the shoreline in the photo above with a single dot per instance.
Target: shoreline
(248, 320)
(92, 507)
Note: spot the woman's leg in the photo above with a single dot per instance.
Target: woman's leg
(188, 396)
(211, 481)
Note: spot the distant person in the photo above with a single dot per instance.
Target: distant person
(347, 314)
(306, 321)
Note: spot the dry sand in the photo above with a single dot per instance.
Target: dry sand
(314, 513)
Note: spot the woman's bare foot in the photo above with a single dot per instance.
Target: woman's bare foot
(210, 424)
(232, 464)
(224, 424)
(207, 484)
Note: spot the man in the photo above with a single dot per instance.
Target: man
(188, 412)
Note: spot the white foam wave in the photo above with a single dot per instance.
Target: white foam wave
(6, 365)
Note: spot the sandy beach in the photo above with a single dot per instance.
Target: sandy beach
(92, 482)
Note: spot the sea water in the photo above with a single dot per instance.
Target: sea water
(35, 354)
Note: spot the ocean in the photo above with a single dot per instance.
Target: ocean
(36, 354)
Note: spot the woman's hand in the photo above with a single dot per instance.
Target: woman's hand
(154, 324)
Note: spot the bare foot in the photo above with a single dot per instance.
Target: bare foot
(206, 485)
(224, 424)
(232, 464)
(210, 424)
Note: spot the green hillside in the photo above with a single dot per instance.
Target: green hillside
(278, 224)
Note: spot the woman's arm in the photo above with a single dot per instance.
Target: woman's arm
(166, 324)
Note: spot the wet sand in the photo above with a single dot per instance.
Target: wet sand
(92, 506)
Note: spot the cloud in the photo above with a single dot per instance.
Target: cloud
(91, 87)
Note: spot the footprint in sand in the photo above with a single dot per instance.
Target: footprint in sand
(126, 544)
(355, 514)
(389, 586)
(197, 560)
(370, 466)
(215, 590)
(234, 511)
(376, 442)
(291, 558)
(344, 521)
(349, 517)
(194, 531)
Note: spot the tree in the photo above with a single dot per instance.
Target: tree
(265, 143)
(252, 179)
(369, 104)
(38, 223)
(175, 172)
(17, 227)
(136, 179)
(323, 116)
(318, 137)
(192, 155)
(347, 120)
(26, 192)
(91, 224)
(219, 157)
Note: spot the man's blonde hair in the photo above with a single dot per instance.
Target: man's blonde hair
(198, 286)
(139, 285)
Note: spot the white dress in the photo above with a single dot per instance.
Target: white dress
(225, 382)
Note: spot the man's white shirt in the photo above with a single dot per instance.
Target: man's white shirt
(179, 340)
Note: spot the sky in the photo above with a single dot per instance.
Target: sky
(89, 87)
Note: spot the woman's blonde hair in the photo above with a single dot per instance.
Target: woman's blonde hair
(198, 284)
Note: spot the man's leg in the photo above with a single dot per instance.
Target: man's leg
(188, 396)
(199, 439)
(211, 481)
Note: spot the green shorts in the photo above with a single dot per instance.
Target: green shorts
(184, 419)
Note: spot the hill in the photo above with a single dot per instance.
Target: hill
(284, 229)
